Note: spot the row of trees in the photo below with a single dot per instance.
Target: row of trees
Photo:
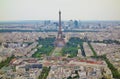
(6, 62)
(114, 71)
(44, 73)
(47, 46)
(94, 53)
(109, 41)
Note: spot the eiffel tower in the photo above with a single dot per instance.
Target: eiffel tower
(59, 42)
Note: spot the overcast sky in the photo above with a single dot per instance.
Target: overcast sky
(48, 9)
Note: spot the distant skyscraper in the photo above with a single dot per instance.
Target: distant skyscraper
(46, 22)
(76, 24)
(59, 42)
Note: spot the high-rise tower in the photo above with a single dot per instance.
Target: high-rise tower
(59, 42)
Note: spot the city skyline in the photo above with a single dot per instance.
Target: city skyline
(59, 39)
(71, 9)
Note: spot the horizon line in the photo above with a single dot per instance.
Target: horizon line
(52, 20)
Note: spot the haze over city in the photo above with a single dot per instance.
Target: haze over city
(47, 9)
